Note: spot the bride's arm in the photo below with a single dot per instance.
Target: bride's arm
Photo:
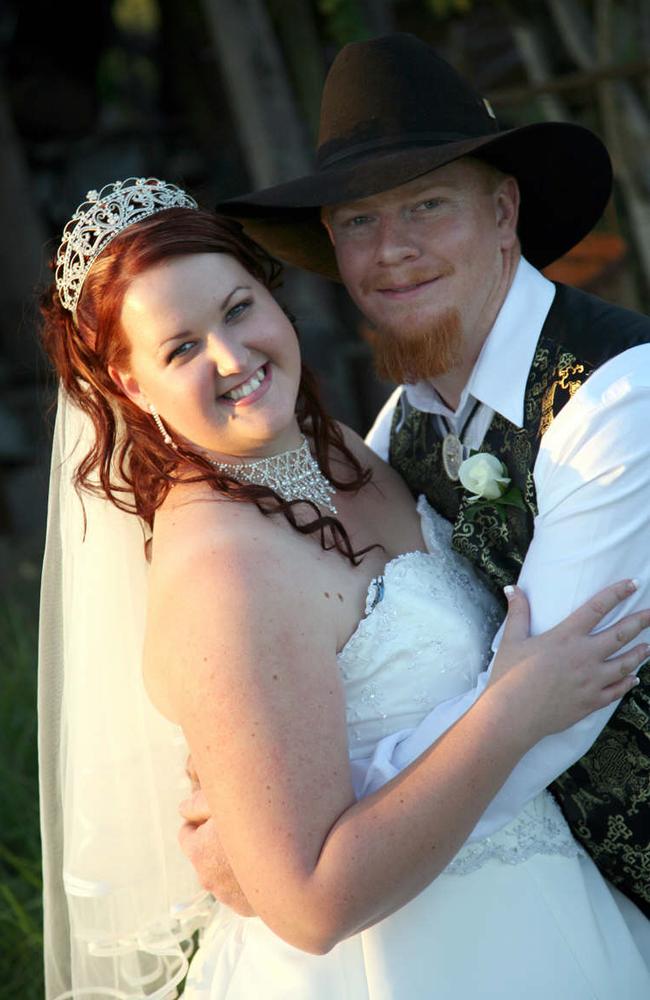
(248, 654)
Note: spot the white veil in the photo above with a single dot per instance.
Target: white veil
(121, 901)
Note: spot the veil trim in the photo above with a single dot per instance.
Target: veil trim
(121, 902)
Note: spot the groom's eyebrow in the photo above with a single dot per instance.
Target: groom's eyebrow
(345, 208)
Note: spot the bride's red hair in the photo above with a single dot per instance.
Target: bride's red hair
(129, 462)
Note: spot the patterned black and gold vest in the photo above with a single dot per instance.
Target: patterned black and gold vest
(606, 795)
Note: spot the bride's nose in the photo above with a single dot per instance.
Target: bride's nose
(229, 355)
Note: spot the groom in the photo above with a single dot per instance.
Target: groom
(437, 222)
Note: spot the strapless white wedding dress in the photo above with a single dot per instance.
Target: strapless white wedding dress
(522, 915)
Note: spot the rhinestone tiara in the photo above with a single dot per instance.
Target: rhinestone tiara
(100, 218)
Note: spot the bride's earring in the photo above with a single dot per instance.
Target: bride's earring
(166, 436)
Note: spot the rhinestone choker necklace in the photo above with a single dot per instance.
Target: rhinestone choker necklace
(293, 475)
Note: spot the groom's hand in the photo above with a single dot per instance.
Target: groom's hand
(200, 843)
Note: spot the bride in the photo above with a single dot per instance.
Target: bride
(298, 608)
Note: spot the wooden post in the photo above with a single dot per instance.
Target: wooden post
(276, 148)
(272, 135)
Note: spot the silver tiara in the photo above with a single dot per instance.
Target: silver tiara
(100, 218)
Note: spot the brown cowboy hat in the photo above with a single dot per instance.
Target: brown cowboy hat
(393, 110)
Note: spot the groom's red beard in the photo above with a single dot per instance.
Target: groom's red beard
(417, 354)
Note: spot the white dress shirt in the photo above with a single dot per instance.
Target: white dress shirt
(592, 478)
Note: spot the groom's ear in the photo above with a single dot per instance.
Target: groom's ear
(507, 198)
(325, 220)
(129, 386)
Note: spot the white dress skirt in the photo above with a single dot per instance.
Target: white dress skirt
(522, 914)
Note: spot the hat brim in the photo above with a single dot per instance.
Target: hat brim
(564, 174)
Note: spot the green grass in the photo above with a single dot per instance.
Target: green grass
(21, 943)
(21, 939)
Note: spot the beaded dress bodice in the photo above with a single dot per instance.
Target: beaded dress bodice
(425, 637)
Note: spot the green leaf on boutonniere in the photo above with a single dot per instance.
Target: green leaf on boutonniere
(512, 498)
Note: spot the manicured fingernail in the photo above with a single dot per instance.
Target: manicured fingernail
(633, 585)
(509, 591)
(635, 682)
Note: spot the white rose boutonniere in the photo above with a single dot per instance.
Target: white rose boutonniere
(486, 477)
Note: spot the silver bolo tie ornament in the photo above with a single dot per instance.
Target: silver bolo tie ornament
(452, 445)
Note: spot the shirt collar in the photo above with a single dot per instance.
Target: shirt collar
(500, 374)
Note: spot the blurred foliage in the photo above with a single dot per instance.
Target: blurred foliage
(119, 72)
(344, 20)
(141, 17)
(21, 940)
(448, 8)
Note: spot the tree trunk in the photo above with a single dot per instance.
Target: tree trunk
(535, 60)
(272, 136)
(302, 49)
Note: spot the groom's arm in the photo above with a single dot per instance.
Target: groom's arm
(593, 488)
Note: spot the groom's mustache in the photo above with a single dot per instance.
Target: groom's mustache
(417, 276)
(412, 355)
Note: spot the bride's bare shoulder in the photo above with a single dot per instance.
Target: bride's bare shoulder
(222, 578)
(385, 478)
(196, 530)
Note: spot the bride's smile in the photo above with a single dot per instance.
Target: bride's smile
(251, 389)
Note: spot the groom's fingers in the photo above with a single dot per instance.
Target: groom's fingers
(202, 847)
(191, 773)
(195, 809)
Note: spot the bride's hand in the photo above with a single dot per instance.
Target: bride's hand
(566, 673)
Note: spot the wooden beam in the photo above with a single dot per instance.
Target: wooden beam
(579, 80)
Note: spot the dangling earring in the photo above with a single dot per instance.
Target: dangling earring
(166, 436)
